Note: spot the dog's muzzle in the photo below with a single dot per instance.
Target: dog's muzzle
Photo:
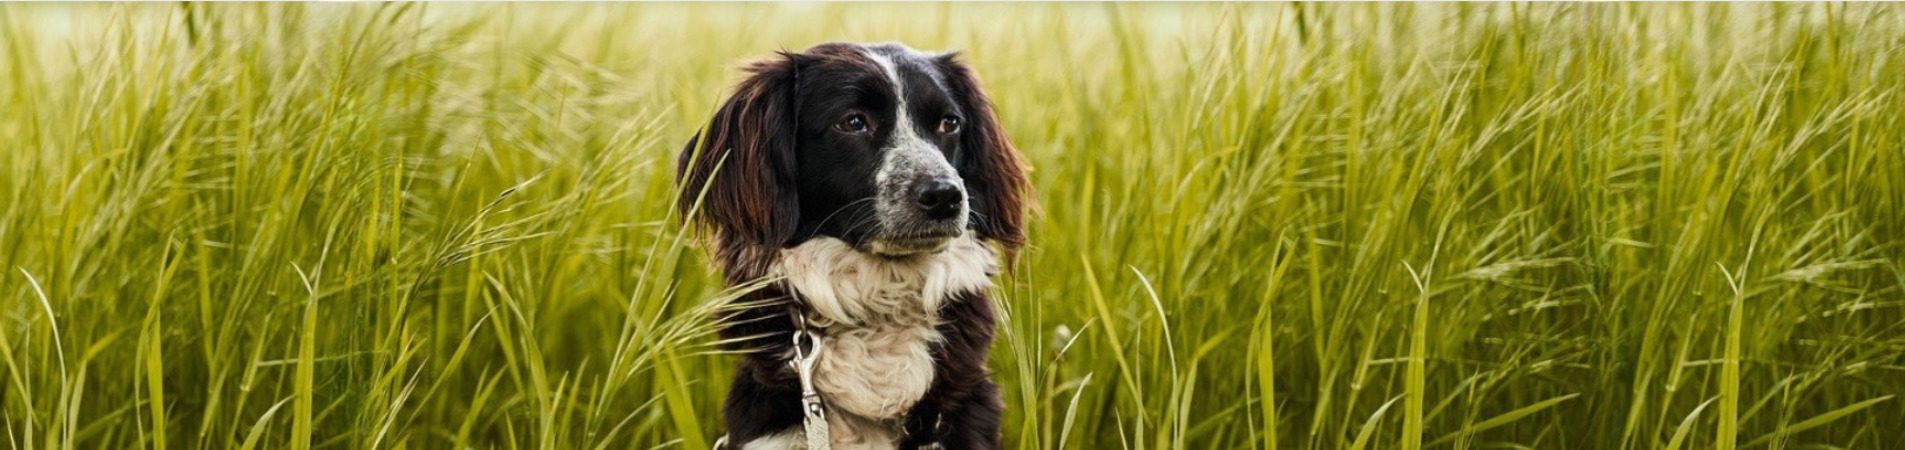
(922, 203)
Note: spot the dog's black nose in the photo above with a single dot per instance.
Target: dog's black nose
(939, 199)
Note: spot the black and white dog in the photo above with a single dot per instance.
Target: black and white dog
(873, 183)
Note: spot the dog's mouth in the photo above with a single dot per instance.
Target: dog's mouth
(911, 245)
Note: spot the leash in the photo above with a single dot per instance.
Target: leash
(813, 412)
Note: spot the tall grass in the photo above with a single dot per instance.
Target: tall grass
(1578, 226)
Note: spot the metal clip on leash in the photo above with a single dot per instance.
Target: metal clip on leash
(813, 412)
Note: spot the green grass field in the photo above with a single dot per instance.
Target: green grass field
(1476, 226)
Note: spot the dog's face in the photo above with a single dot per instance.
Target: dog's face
(879, 137)
(894, 151)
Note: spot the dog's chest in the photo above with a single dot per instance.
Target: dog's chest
(879, 321)
(877, 372)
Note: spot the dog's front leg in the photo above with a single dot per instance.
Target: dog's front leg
(971, 425)
(763, 407)
(963, 409)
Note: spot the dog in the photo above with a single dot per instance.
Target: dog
(873, 192)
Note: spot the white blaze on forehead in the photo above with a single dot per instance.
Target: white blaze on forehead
(905, 134)
(907, 146)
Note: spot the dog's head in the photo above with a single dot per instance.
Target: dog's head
(893, 151)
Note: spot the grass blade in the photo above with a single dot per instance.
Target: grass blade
(1817, 421)
(1502, 419)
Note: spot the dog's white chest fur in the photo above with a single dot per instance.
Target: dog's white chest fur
(878, 319)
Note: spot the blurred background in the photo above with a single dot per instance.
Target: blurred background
(1313, 226)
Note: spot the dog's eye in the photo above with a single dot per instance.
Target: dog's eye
(949, 125)
(856, 123)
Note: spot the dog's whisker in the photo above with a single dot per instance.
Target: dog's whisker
(843, 208)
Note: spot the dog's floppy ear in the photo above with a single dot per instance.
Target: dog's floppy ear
(993, 170)
(737, 176)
